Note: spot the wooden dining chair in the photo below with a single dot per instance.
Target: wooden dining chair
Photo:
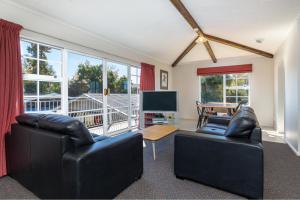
(203, 114)
(200, 114)
(241, 103)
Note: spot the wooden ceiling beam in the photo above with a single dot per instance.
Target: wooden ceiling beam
(210, 51)
(192, 22)
(239, 46)
(187, 15)
(186, 51)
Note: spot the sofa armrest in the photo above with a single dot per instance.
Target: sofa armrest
(235, 165)
(219, 120)
(103, 169)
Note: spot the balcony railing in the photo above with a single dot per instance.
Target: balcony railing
(89, 110)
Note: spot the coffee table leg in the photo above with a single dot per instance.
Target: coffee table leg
(153, 148)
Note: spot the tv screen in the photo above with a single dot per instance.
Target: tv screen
(160, 101)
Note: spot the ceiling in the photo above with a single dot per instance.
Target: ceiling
(155, 27)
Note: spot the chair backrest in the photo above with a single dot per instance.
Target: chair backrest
(198, 107)
(243, 102)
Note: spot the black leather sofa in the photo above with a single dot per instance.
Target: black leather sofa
(226, 153)
(55, 156)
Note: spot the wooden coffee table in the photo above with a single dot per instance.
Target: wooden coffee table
(157, 132)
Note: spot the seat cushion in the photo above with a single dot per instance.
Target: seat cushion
(211, 130)
(66, 125)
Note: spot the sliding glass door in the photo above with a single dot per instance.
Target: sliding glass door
(118, 99)
(85, 91)
(98, 93)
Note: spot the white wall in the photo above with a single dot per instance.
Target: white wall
(287, 61)
(186, 82)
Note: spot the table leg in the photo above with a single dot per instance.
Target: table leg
(154, 150)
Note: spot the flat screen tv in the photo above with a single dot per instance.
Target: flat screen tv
(159, 101)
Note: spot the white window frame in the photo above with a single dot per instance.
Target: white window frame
(43, 78)
(236, 88)
(63, 79)
(225, 86)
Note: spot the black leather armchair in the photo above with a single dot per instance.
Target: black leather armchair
(225, 155)
(56, 157)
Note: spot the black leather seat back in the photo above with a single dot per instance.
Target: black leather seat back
(35, 159)
(29, 119)
(242, 123)
(60, 124)
(66, 125)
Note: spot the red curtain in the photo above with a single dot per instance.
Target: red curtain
(11, 84)
(235, 69)
(147, 81)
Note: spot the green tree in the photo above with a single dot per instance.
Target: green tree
(122, 85)
(87, 75)
(89, 78)
(212, 89)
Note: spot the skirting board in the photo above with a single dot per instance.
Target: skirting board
(292, 147)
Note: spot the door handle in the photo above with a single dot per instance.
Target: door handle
(106, 91)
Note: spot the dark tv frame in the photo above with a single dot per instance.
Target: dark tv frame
(158, 111)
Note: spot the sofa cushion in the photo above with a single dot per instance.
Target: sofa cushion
(66, 125)
(211, 130)
(242, 123)
(29, 119)
(223, 120)
(219, 126)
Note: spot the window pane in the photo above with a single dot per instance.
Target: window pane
(231, 99)
(28, 49)
(242, 82)
(230, 82)
(84, 75)
(29, 66)
(243, 98)
(50, 68)
(134, 71)
(85, 82)
(230, 76)
(30, 88)
(230, 92)
(50, 89)
(117, 78)
(242, 92)
(242, 76)
(30, 104)
(212, 89)
(49, 53)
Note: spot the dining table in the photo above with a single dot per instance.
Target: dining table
(209, 107)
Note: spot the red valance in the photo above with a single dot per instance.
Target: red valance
(235, 69)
